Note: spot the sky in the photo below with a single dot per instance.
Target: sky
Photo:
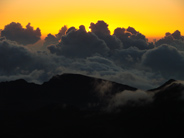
(152, 18)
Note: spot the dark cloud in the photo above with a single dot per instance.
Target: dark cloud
(174, 39)
(71, 29)
(12, 57)
(2, 38)
(101, 65)
(112, 42)
(79, 43)
(119, 32)
(139, 36)
(100, 27)
(0, 32)
(102, 31)
(15, 32)
(128, 58)
(140, 44)
(82, 28)
(134, 41)
(168, 39)
(132, 30)
(18, 62)
(50, 39)
(167, 34)
(131, 38)
(165, 59)
(176, 34)
(61, 32)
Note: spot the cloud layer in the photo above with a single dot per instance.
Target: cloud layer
(125, 57)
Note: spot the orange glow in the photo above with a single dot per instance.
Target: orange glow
(152, 18)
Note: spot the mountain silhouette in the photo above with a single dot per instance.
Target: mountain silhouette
(74, 105)
(170, 91)
(163, 85)
(73, 89)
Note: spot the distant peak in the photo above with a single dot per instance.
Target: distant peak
(164, 85)
(19, 81)
(169, 82)
(67, 75)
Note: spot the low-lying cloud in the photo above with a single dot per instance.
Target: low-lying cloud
(130, 98)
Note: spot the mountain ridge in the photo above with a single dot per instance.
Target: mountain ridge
(73, 105)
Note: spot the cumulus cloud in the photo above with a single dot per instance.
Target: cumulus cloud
(119, 32)
(175, 39)
(138, 36)
(17, 61)
(131, 38)
(128, 58)
(12, 56)
(79, 43)
(131, 30)
(167, 34)
(101, 30)
(165, 59)
(70, 29)
(176, 34)
(62, 32)
(55, 39)
(50, 39)
(15, 32)
(100, 27)
(112, 42)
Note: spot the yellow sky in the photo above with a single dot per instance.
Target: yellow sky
(150, 17)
